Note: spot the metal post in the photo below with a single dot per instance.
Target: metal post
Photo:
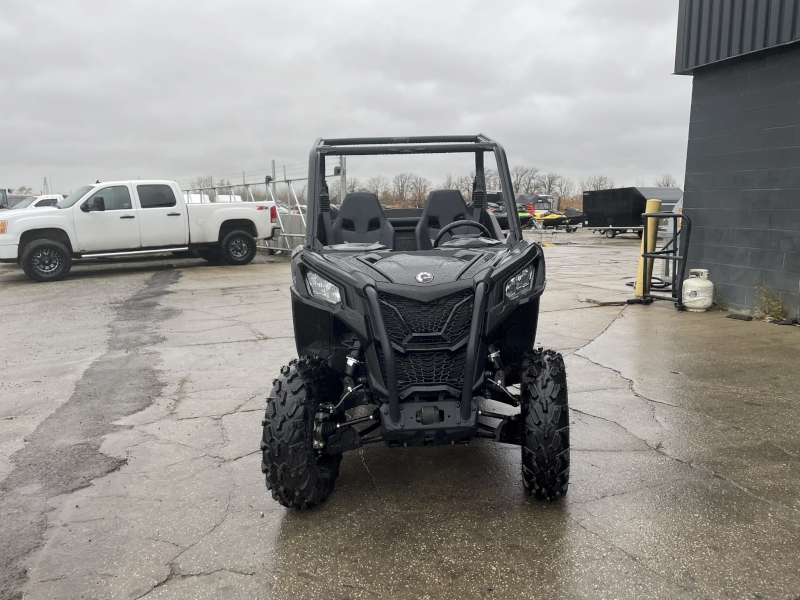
(645, 271)
(278, 213)
(274, 190)
(297, 201)
(343, 167)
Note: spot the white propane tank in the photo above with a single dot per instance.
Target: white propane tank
(698, 291)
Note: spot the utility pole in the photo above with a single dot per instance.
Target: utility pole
(343, 167)
(274, 185)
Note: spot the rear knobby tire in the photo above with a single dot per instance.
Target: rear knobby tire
(238, 247)
(545, 415)
(46, 260)
(298, 475)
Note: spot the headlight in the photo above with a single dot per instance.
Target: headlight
(322, 288)
(3, 226)
(520, 283)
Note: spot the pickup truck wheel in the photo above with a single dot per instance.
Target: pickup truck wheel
(299, 475)
(238, 247)
(545, 416)
(46, 260)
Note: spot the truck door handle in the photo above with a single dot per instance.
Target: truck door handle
(127, 217)
(173, 214)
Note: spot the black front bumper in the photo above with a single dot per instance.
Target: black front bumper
(439, 365)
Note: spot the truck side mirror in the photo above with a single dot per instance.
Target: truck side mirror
(94, 205)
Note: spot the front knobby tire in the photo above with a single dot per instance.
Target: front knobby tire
(298, 475)
(545, 414)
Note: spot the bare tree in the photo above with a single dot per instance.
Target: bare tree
(24, 190)
(335, 190)
(546, 184)
(597, 182)
(667, 180)
(401, 187)
(463, 183)
(492, 179)
(523, 179)
(564, 188)
(353, 185)
(378, 185)
(420, 186)
(449, 183)
(206, 181)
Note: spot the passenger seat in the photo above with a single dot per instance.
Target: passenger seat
(361, 220)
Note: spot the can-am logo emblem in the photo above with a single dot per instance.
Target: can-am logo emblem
(424, 277)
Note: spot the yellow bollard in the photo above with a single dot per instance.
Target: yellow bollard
(648, 245)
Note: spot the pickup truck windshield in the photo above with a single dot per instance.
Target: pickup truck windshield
(74, 197)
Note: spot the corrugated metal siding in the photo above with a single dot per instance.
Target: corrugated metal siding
(665, 194)
(714, 30)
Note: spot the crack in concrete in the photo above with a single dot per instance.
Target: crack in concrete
(649, 402)
(703, 468)
(632, 557)
(180, 395)
(53, 458)
(625, 429)
(785, 451)
(374, 481)
(205, 535)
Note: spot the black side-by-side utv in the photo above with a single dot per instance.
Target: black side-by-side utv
(416, 320)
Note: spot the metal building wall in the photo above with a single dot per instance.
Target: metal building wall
(713, 30)
(742, 187)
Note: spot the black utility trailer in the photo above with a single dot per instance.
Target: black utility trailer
(620, 210)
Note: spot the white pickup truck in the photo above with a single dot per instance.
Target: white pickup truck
(124, 218)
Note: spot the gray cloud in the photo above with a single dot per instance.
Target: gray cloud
(97, 89)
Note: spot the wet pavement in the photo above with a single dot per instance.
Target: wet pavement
(685, 452)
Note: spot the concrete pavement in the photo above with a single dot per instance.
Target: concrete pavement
(685, 463)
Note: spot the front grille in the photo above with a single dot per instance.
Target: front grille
(443, 321)
(429, 368)
(424, 330)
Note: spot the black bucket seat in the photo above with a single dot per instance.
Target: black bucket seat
(442, 208)
(361, 220)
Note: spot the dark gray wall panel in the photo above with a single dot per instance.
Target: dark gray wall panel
(710, 31)
(742, 188)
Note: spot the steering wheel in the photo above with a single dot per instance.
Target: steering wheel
(464, 223)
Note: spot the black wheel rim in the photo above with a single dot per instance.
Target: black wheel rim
(47, 261)
(239, 247)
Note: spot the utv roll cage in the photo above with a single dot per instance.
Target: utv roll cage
(318, 232)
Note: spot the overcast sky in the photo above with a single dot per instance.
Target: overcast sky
(144, 89)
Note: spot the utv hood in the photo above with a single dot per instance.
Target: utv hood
(426, 269)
